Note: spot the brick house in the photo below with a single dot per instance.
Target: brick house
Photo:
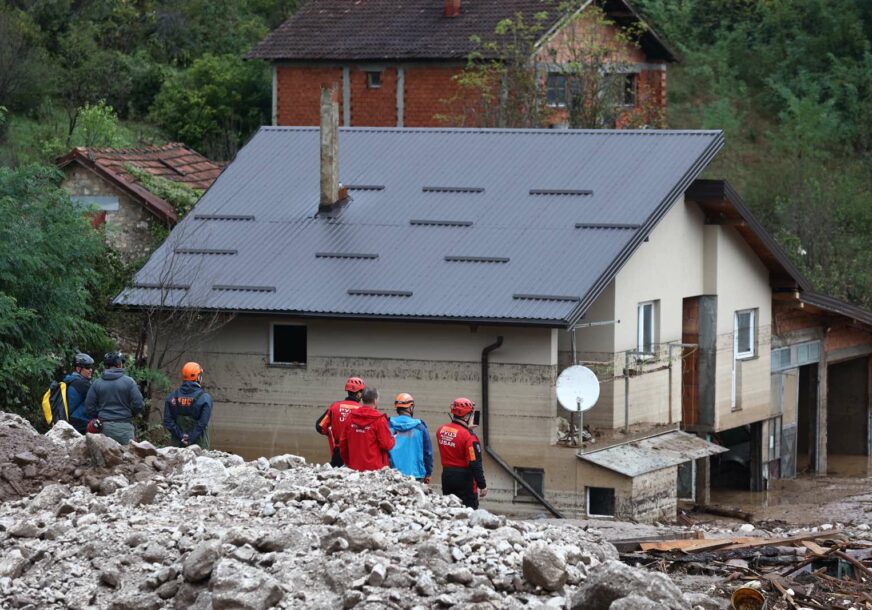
(394, 62)
(99, 177)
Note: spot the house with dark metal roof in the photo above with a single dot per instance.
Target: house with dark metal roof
(102, 178)
(394, 62)
(481, 263)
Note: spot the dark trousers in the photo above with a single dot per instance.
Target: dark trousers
(459, 482)
(336, 458)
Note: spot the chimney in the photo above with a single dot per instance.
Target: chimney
(452, 8)
(330, 189)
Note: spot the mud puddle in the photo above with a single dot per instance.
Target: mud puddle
(843, 496)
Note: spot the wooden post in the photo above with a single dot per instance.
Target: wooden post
(869, 407)
(820, 424)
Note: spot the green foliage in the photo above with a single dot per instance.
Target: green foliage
(790, 82)
(48, 251)
(180, 195)
(97, 126)
(214, 103)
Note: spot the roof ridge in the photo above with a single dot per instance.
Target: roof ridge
(503, 131)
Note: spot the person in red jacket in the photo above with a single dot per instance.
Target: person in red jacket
(334, 419)
(460, 453)
(366, 438)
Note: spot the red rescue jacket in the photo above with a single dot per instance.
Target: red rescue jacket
(459, 448)
(333, 421)
(366, 440)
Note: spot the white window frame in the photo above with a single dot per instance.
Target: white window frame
(640, 328)
(752, 351)
(371, 76)
(587, 503)
(272, 337)
(557, 103)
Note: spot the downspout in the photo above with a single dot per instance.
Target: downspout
(485, 415)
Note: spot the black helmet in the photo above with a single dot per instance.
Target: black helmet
(112, 359)
(83, 361)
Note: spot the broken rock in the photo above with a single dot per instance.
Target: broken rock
(199, 562)
(544, 567)
(614, 580)
(13, 565)
(239, 586)
(104, 451)
(139, 494)
(485, 519)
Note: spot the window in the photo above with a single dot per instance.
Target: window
(535, 478)
(107, 203)
(556, 90)
(630, 83)
(288, 345)
(373, 79)
(647, 327)
(744, 333)
(600, 502)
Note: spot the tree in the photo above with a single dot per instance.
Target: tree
(214, 105)
(48, 252)
(518, 76)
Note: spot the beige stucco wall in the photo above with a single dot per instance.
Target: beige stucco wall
(683, 257)
(128, 229)
(646, 498)
(742, 283)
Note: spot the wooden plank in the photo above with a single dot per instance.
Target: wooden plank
(780, 541)
(692, 546)
(814, 548)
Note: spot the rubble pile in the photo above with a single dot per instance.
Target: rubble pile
(144, 528)
(829, 567)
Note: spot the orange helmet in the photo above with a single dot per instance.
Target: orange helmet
(461, 407)
(404, 401)
(354, 384)
(191, 371)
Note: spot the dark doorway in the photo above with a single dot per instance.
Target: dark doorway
(732, 470)
(847, 408)
(806, 413)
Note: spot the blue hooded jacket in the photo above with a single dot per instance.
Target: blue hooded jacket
(77, 390)
(413, 453)
(188, 400)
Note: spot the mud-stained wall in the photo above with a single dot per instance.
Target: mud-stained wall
(128, 229)
(646, 498)
(263, 409)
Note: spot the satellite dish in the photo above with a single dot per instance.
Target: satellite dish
(577, 388)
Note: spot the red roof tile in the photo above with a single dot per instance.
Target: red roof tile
(172, 161)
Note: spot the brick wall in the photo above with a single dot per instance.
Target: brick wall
(299, 93)
(427, 88)
(374, 107)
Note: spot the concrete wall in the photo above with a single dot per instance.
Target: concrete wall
(646, 498)
(128, 229)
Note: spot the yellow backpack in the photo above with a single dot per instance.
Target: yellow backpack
(54, 403)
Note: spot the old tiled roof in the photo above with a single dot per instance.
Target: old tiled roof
(354, 30)
(509, 226)
(173, 161)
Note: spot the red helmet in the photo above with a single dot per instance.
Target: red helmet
(354, 384)
(95, 426)
(461, 407)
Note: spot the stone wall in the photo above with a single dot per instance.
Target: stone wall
(130, 228)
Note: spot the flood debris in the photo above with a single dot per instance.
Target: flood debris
(140, 527)
(827, 570)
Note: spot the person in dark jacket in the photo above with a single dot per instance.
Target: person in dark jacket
(78, 383)
(460, 453)
(187, 410)
(114, 399)
(413, 452)
(367, 438)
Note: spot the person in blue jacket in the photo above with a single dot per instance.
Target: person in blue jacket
(413, 452)
(78, 383)
(187, 410)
